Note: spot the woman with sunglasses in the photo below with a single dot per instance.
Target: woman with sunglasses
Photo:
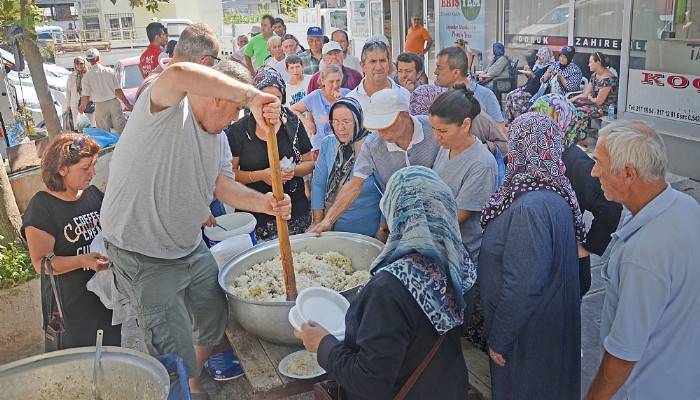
(74, 88)
(60, 224)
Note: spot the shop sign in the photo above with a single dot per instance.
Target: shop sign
(536, 40)
(598, 43)
(664, 95)
(462, 19)
(359, 19)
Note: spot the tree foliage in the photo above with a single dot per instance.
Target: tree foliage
(291, 7)
(150, 5)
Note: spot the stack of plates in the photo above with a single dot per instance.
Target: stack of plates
(323, 306)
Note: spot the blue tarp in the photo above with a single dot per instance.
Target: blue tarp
(102, 137)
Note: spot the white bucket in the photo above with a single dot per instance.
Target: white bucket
(227, 249)
(239, 223)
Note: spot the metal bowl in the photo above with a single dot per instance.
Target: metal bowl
(67, 374)
(269, 320)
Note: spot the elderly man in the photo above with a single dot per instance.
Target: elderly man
(349, 60)
(409, 68)
(241, 43)
(311, 57)
(163, 175)
(376, 66)
(100, 86)
(418, 39)
(333, 55)
(276, 58)
(256, 51)
(649, 325)
(452, 68)
(401, 140)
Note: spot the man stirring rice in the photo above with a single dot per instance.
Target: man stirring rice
(163, 175)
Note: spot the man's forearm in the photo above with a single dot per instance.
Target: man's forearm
(238, 195)
(347, 195)
(120, 95)
(612, 374)
(249, 64)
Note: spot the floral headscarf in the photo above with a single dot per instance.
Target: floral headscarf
(422, 216)
(570, 120)
(345, 158)
(534, 163)
(269, 77)
(544, 59)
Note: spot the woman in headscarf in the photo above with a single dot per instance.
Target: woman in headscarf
(561, 77)
(589, 195)
(74, 88)
(518, 100)
(248, 143)
(529, 269)
(334, 168)
(500, 65)
(413, 303)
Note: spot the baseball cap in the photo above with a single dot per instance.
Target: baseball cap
(255, 29)
(92, 53)
(314, 31)
(384, 108)
(331, 46)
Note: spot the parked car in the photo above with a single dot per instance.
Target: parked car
(129, 77)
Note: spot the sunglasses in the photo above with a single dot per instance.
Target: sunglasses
(75, 147)
(374, 43)
(214, 57)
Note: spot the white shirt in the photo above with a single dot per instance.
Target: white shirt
(360, 94)
(279, 66)
(297, 92)
(99, 83)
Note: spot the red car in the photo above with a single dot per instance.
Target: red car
(129, 77)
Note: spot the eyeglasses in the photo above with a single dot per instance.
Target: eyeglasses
(341, 122)
(213, 56)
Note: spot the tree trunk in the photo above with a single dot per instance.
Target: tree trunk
(10, 219)
(36, 68)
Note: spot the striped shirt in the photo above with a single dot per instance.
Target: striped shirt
(383, 159)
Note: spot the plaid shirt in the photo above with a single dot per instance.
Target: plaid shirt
(309, 62)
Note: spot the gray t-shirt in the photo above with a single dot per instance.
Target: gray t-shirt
(383, 159)
(473, 176)
(161, 181)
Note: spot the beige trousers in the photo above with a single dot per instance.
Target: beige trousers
(109, 116)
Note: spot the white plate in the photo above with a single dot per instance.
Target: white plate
(284, 365)
(325, 307)
(296, 320)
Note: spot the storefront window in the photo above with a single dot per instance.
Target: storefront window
(664, 75)
(597, 25)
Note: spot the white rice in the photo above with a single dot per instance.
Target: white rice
(265, 281)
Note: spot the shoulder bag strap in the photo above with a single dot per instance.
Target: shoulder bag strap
(419, 370)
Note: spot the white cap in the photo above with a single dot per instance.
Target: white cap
(92, 53)
(255, 29)
(331, 46)
(384, 107)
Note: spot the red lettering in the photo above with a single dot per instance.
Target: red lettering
(652, 79)
(696, 84)
(678, 81)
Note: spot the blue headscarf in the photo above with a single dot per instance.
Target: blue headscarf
(499, 50)
(422, 216)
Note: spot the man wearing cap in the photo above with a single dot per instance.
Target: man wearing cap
(401, 140)
(333, 55)
(376, 66)
(256, 51)
(311, 58)
(100, 85)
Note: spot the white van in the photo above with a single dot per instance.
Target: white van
(56, 32)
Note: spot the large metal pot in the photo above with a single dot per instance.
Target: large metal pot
(68, 374)
(268, 320)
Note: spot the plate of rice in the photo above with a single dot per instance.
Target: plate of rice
(301, 364)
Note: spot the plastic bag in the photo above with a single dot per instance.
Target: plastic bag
(83, 121)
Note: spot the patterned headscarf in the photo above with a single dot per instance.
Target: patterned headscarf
(269, 77)
(499, 50)
(545, 54)
(570, 120)
(422, 216)
(345, 157)
(534, 163)
(568, 52)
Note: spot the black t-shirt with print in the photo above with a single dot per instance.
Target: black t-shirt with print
(73, 224)
(252, 153)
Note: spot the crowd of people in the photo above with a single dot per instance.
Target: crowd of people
(480, 211)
